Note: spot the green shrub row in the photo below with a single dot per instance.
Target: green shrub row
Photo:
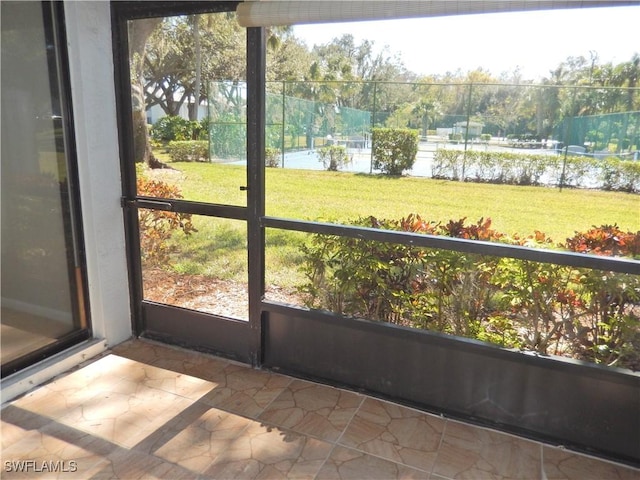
(528, 169)
(549, 309)
(189, 151)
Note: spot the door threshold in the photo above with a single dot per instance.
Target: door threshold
(21, 382)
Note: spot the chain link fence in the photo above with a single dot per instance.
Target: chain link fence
(302, 116)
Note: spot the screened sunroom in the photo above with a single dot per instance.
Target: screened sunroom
(246, 288)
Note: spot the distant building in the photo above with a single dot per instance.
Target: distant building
(475, 128)
(155, 113)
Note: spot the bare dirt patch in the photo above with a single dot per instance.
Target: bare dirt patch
(206, 294)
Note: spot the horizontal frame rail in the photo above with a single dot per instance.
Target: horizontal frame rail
(580, 260)
(190, 207)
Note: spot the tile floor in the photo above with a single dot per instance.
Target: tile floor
(146, 410)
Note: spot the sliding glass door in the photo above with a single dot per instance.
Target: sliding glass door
(43, 305)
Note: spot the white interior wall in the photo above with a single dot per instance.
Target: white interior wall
(88, 26)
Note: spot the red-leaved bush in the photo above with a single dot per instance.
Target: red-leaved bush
(607, 240)
(547, 308)
(157, 226)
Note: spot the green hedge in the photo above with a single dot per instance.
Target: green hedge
(189, 151)
(394, 149)
(528, 169)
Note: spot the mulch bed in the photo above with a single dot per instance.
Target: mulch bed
(206, 294)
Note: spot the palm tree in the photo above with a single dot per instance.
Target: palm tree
(427, 111)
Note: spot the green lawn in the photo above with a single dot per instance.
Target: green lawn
(341, 197)
(513, 209)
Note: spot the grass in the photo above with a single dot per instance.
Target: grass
(219, 246)
(513, 209)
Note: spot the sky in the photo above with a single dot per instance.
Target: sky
(536, 42)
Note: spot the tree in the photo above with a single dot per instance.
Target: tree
(183, 50)
(426, 110)
(139, 32)
(186, 53)
(627, 75)
(287, 58)
(352, 69)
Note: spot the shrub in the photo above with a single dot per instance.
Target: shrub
(201, 129)
(333, 157)
(620, 175)
(171, 128)
(491, 167)
(455, 137)
(629, 176)
(158, 226)
(272, 157)
(607, 240)
(436, 289)
(447, 164)
(533, 294)
(394, 150)
(547, 308)
(575, 170)
(359, 277)
(611, 326)
(455, 288)
(189, 151)
(175, 128)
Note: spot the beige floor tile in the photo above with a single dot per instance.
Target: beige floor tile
(244, 391)
(471, 452)
(561, 464)
(16, 422)
(53, 403)
(395, 433)
(145, 351)
(55, 453)
(127, 465)
(158, 412)
(172, 358)
(312, 409)
(269, 452)
(141, 374)
(347, 464)
(10, 434)
(194, 442)
(56, 398)
(128, 417)
(207, 368)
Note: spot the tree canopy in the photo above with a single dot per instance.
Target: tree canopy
(187, 51)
